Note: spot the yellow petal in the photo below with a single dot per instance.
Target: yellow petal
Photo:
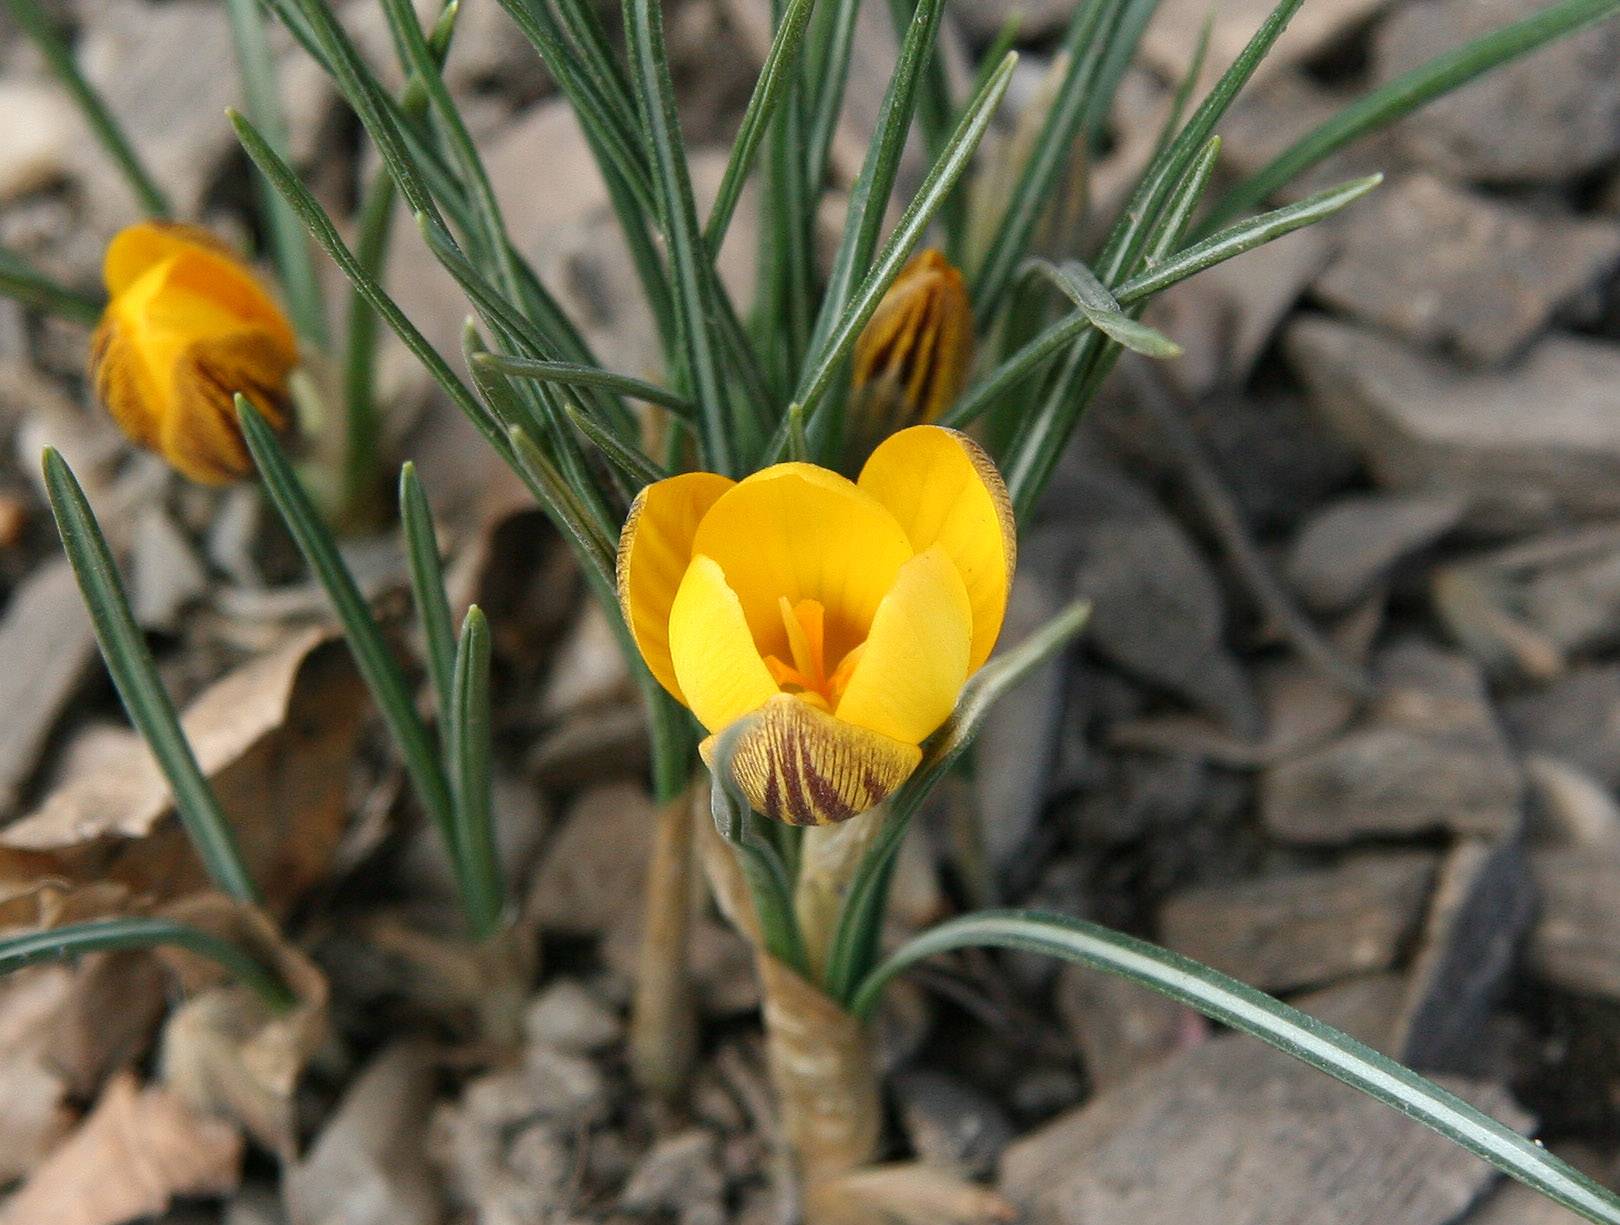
(201, 280)
(122, 384)
(803, 766)
(804, 533)
(655, 549)
(716, 663)
(136, 249)
(915, 661)
(945, 491)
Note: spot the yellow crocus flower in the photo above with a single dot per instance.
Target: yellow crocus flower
(844, 616)
(188, 325)
(913, 357)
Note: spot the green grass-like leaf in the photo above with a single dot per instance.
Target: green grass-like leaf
(1233, 1003)
(365, 282)
(692, 272)
(942, 177)
(25, 284)
(470, 752)
(1092, 299)
(635, 465)
(289, 244)
(1086, 43)
(427, 587)
(1057, 337)
(104, 935)
(136, 678)
(869, 195)
(781, 62)
(372, 655)
(574, 374)
(1408, 92)
(35, 23)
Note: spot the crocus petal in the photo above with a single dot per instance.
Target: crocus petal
(199, 274)
(717, 665)
(122, 383)
(945, 491)
(655, 550)
(915, 660)
(804, 533)
(138, 248)
(802, 766)
(200, 435)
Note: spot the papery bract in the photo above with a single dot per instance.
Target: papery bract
(187, 326)
(842, 617)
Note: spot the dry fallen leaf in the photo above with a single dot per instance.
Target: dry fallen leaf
(224, 1051)
(136, 1151)
(276, 738)
(37, 1114)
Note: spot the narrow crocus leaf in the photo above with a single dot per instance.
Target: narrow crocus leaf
(781, 62)
(288, 242)
(941, 178)
(826, 78)
(372, 655)
(105, 935)
(762, 867)
(1089, 34)
(1234, 240)
(575, 374)
(1142, 214)
(1092, 299)
(610, 127)
(869, 195)
(1240, 1006)
(25, 284)
(691, 267)
(365, 96)
(136, 678)
(1408, 92)
(636, 465)
(30, 15)
(469, 753)
(1242, 236)
(854, 944)
(365, 283)
(552, 492)
(427, 585)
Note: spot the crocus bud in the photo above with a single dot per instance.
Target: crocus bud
(913, 357)
(187, 326)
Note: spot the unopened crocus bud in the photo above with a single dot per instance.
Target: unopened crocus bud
(187, 326)
(913, 357)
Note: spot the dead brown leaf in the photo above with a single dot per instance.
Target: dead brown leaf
(224, 1051)
(275, 737)
(136, 1151)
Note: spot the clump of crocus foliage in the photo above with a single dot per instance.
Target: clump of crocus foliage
(804, 531)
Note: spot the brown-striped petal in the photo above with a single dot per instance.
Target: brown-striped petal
(802, 766)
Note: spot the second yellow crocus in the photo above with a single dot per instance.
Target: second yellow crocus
(187, 326)
(841, 617)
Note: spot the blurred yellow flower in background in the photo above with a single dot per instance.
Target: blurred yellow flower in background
(913, 357)
(844, 616)
(187, 326)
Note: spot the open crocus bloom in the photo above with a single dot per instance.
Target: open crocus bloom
(844, 616)
(187, 326)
